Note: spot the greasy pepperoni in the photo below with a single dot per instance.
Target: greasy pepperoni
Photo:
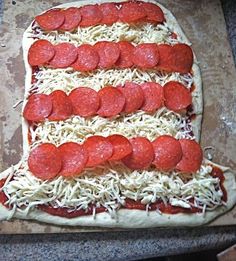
(99, 150)
(166, 57)
(38, 107)
(134, 96)
(142, 155)
(109, 12)
(167, 151)
(74, 158)
(131, 12)
(91, 15)
(153, 96)
(72, 19)
(126, 52)
(65, 55)
(153, 12)
(177, 96)
(108, 54)
(121, 146)
(45, 161)
(146, 55)
(183, 56)
(85, 101)
(87, 58)
(61, 106)
(40, 52)
(50, 20)
(192, 156)
(112, 101)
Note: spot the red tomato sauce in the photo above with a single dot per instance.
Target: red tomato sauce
(3, 197)
(218, 173)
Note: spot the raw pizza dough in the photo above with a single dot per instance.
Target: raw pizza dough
(126, 218)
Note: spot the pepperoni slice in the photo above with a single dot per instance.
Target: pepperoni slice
(99, 150)
(131, 12)
(50, 20)
(87, 58)
(166, 58)
(38, 107)
(85, 101)
(109, 12)
(72, 19)
(183, 58)
(108, 54)
(153, 96)
(61, 106)
(146, 55)
(91, 15)
(126, 52)
(40, 52)
(74, 158)
(142, 155)
(177, 96)
(112, 101)
(134, 97)
(121, 147)
(65, 55)
(192, 156)
(167, 151)
(153, 12)
(45, 161)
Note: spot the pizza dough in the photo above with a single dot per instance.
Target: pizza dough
(125, 218)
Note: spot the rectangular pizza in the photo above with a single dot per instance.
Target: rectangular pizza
(111, 122)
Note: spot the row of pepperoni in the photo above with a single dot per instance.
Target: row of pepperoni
(106, 13)
(69, 159)
(107, 102)
(107, 55)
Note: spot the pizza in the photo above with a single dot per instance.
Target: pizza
(111, 123)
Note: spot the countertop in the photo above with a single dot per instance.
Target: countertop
(137, 244)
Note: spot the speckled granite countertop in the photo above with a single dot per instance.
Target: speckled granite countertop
(131, 245)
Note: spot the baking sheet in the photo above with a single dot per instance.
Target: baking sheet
(203, 23)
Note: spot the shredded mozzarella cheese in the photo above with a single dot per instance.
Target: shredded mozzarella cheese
(110, 185)
(77, 128)
(142, 33)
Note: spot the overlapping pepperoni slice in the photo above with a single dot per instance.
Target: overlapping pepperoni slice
(61, 106)
(121, 147)
(87, 58)
(91, 15)
(72, 19)
(192, 156)
(112, 101)
(50, 20)
(74, 158)
(131, 12)
(142, 154)
(45, 161)
(168, 152)
(85, 101)
(166, 58)
(153, 96)
(65, 55)
(38, 107)
(108, 52)
(146, 55)
(153, 12)
(177, 96)
(109, 12)
(40, 53)
(126, 54)
(99, 150)
(134, 97)
(183, 56)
